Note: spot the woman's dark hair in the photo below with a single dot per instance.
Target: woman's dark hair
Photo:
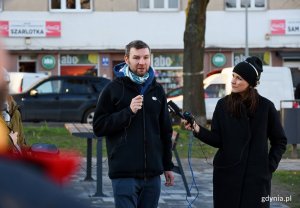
(235, 102)
(138, 44)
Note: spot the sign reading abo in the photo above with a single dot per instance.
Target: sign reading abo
(167, 60)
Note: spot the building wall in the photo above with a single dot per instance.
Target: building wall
(284, 4)
(13, 63)
(132, 5)
(218, 5)
(184, 4)
(26, 5)
(100, 30)
(213, 5)
(115, 5)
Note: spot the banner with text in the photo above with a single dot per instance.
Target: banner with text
(285, 27)
(19, 28)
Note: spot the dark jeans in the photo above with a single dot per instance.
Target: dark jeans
(136, 193)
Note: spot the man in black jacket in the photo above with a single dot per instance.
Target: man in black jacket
(132, 113)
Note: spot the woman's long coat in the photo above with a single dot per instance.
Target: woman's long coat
(243, 164)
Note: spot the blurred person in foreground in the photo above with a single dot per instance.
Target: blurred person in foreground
(23, 185)
(132, 113)
(12, 117)
(4, 131)
(243, 123)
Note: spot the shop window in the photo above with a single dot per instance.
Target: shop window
(158, 5)
(70, 5)
(168, 69)
(241, 4)
(79, 64)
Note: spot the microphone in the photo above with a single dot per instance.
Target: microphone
(176, 110)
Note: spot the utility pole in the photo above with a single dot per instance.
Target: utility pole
(246, 30)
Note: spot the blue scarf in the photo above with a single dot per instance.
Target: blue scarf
(135, 78)
(144, 82)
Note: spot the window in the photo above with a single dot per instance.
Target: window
(70, 5)
(158, 5)
(50, 87)
(241, 4)
(77, 86)
(99, 85)
(215, 91)
(1, 5)
(211, 91)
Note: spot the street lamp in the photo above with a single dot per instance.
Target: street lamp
(246, 29)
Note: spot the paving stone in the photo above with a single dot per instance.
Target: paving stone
(171, 197)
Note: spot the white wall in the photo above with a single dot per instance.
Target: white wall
(162, 30)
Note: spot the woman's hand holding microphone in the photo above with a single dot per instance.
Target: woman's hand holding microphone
(195, 128)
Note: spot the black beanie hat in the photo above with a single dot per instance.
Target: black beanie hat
(250, 70)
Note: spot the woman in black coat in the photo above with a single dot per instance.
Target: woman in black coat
(241, 126)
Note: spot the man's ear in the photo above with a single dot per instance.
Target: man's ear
(126, 59)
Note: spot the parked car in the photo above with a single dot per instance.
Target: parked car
(61, 99)
(217, 85)
(22, 81)
(212, 93)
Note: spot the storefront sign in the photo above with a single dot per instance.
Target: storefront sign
(30, 28)
(168, 60)
(219, 60)
(285, 27)
(48, 62)
(105, 61)
(75, 59)
(264, 56)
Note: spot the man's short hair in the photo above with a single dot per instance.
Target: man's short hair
(138, 44)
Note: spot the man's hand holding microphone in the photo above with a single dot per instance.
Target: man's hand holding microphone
(136, 103)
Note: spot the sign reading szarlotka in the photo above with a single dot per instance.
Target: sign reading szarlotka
(20, 28)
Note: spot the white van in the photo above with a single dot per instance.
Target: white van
(21, 81)
(276, 84)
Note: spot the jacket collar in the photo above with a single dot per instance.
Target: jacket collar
(142, 88)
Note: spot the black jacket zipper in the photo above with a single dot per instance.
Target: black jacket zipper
(145, 142)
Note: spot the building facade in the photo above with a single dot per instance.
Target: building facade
(75, 37)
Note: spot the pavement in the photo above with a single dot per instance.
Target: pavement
(171, 197)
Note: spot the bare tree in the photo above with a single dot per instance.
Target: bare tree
(194, 45)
